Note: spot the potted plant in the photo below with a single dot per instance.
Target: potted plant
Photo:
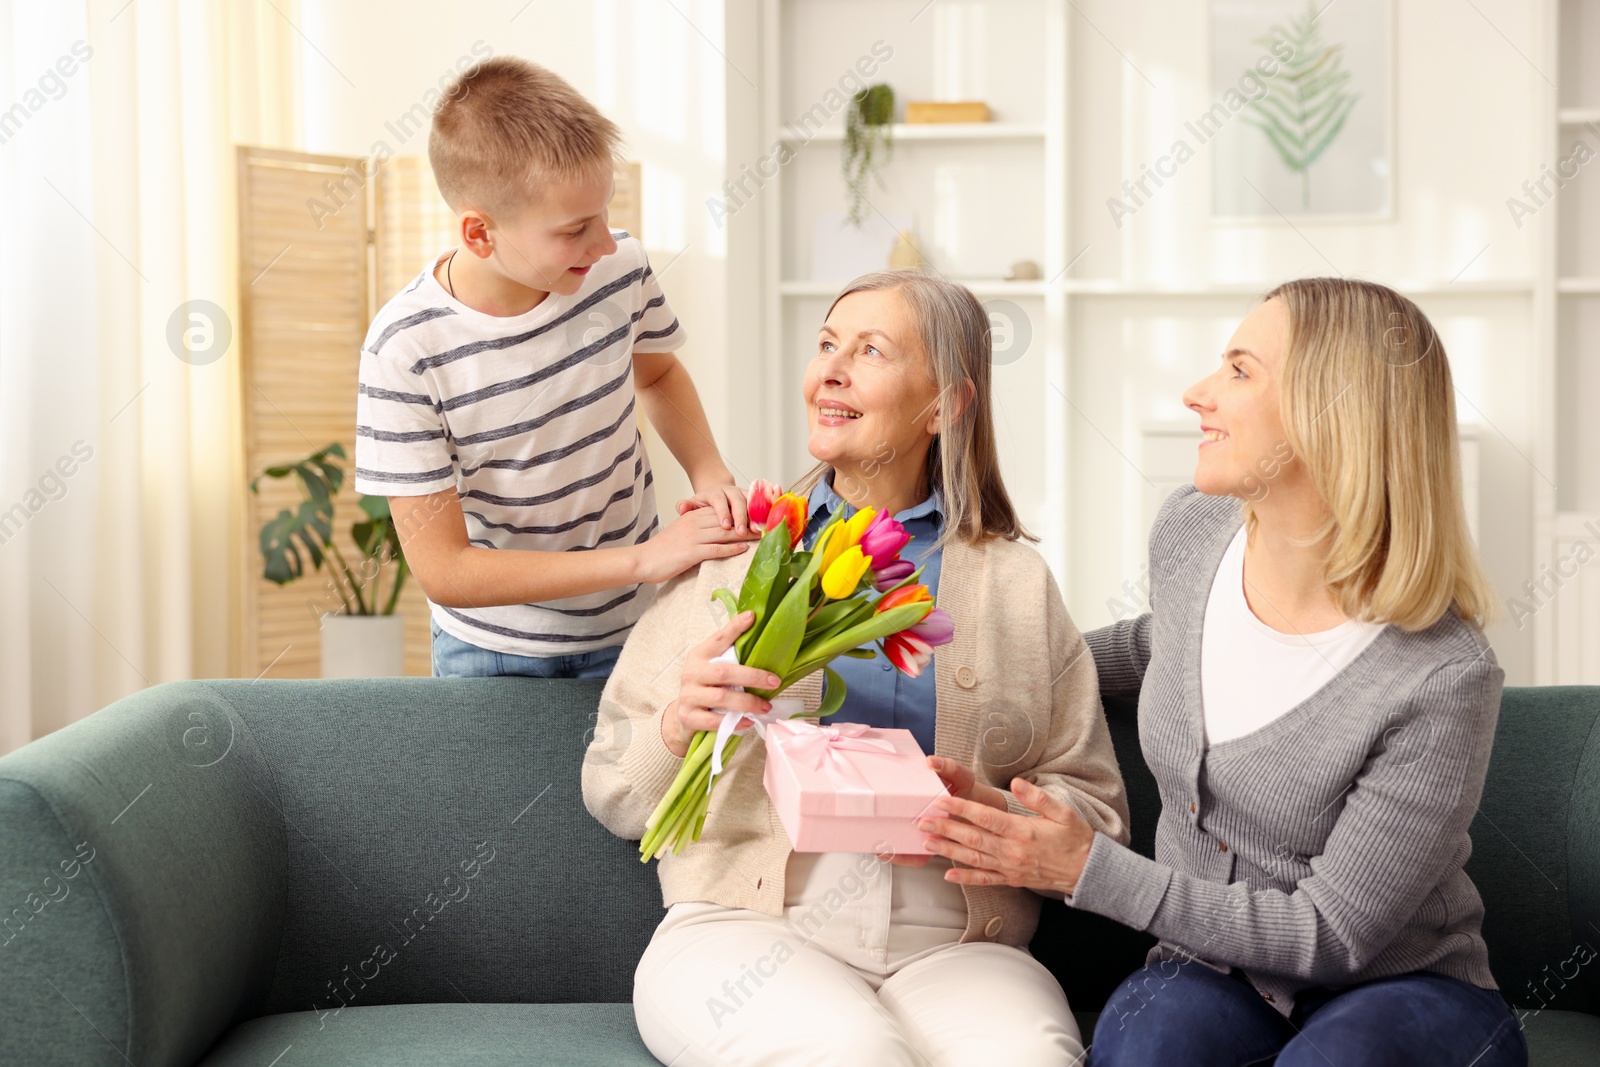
(868, 142)
(362, 637)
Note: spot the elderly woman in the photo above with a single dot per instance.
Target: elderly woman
(776, 957)
(1316, 702)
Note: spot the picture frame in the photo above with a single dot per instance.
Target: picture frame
(1301, 124)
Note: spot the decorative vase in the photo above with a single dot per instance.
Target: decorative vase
(363, 646)
(906, 253)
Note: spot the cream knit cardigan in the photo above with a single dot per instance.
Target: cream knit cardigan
(1017, 696)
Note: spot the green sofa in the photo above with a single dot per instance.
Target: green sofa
(204, 871)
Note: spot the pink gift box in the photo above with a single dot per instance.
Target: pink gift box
(848, 787)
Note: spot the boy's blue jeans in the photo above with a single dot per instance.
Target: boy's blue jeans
(1192, 1014)
(455, 658)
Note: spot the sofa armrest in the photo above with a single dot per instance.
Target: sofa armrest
(143, 885)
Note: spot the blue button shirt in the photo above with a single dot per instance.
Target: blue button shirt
(877, 694)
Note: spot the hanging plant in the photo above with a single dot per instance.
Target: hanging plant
(868, 142)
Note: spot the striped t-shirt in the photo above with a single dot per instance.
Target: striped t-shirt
(531, 419)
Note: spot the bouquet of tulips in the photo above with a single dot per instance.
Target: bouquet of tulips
(810, 607)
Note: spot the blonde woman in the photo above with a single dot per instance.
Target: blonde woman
(775, 957)
(1316, 702)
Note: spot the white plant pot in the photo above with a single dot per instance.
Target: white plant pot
(363, 646)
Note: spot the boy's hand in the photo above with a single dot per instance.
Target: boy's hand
(689, 541)
(728, 501)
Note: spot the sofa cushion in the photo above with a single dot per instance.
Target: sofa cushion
(467, 1035)
(1562, 1039)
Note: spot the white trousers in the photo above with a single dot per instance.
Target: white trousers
(864, 967)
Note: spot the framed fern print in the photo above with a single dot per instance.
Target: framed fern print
(1302, 122)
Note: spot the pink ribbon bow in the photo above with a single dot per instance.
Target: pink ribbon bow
(823, 748)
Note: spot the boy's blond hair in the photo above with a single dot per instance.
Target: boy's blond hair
(507, 127)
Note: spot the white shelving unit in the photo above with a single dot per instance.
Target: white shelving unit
(939, 174)
(945, 131)
(1116, 332)
(1567, 610)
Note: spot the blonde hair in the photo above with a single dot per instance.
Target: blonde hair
(1369, 407)
(507, 126)
(963, 461)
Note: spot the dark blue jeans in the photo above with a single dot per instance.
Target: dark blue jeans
(455, 658)
(1190, 1014)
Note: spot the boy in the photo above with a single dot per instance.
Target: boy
(496, 407)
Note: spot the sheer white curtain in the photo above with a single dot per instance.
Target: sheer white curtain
(121, 491)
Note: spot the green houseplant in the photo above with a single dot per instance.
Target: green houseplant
(868, 142)
(362, 638)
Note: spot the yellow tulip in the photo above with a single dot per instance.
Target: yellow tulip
(840, 579)
(857, 524)
(845, 534)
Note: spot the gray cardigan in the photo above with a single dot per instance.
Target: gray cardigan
(1325, 848)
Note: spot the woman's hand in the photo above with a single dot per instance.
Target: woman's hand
(959, 779)
(704, 691)
(999, 848)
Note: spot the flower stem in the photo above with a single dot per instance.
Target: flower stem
(691, 762)
(672, 826)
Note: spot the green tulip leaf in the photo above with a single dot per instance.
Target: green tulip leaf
(728, 602)
(832, 693)
(881, 625)
(756, 594)
(830, 615)
(780, 639)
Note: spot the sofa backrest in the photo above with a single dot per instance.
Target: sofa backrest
(438, 845)
(1536, 848)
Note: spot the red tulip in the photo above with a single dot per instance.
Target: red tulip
(909, 653)
(761, 496)
(790, 509)
(936, 628)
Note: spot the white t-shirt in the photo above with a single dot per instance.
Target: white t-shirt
(531, 419)
(1250, 673)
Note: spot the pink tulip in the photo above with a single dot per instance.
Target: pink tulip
(884, 538)
(936, 628)
(909, 654)
(887, 577)
(761, 496)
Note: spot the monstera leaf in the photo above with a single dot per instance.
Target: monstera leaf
(305, 533)
(310, 526)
